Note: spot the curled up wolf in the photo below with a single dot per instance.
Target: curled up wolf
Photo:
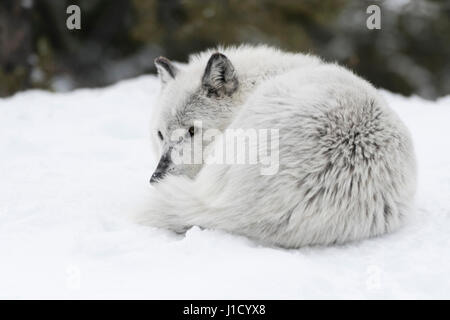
(332, 162)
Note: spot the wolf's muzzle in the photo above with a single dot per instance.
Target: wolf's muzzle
(161, 169)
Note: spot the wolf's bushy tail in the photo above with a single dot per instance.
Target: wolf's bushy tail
(178, 203)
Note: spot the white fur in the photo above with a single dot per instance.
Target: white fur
(347, 166)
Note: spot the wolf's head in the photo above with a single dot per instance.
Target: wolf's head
(195, 98)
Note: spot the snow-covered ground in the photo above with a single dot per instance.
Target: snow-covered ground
(74, 166)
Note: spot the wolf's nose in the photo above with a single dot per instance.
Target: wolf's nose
(156, 177)
(161, 168)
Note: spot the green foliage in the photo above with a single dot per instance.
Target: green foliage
(182, 27)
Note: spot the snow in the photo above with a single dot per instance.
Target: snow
(74, 166)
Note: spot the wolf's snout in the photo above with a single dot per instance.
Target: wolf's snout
(161, 169)
(156, 176)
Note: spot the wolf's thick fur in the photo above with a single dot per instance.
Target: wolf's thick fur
(347, 165)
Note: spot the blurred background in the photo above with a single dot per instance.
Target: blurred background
(119, 39)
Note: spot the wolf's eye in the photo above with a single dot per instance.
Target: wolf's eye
(160, 135)
(191, 131)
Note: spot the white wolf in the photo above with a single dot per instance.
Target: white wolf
(346, 162)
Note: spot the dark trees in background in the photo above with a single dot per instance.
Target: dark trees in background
(119, 39)
(15, 47)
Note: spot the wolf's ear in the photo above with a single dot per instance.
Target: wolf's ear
(219, 78)
(166, 70)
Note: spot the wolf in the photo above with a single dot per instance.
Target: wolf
(347, 168)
